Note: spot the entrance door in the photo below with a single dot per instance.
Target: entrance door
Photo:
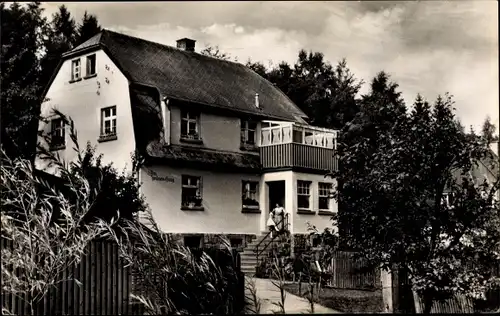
(276, 195)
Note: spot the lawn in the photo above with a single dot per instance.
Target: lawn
(344, 300)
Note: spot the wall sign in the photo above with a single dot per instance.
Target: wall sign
(155, 177)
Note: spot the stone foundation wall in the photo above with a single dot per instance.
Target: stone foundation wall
(211, 240)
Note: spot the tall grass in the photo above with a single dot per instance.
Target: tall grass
(173, 278)
(253, 303)
(43, 232)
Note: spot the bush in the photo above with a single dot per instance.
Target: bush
(343, 300)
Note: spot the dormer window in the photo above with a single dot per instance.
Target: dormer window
(190, 126)
(57, 134)
(76, 73)
(91, 68)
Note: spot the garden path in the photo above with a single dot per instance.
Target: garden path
(268, 293)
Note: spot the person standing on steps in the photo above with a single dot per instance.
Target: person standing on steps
(278, 215)
(271, 224)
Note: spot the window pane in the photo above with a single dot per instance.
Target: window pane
(303, 187)
(323, 203)
(303, 201)
(91, 65)
(251, 137)
(113, 110)
(184, 128)
(192, 128)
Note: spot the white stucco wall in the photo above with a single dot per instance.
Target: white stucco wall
(83, 101)
(217, 131)
(222, 203)
(298, 222)
(320, 221)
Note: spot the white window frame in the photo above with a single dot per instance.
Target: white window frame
(57, 132)
(247, 193)
(193, 182)
(245, 128)
(110, 118)
(76, 69)
(304, 189)
(188, 118)
(88, 59)
(325, 192)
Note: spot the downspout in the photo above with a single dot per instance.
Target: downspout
(165, 113)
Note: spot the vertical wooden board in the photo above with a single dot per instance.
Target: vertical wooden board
(98, 278)
(119, 285)
(77, 289)
(64, 292)
(71, 290)
(109, 278)
(103, 279)
(87, 270)
(81, 278)
(93, 280)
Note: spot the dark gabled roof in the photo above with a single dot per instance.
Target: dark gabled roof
(146, 115)
(486, 169)
(193, 77)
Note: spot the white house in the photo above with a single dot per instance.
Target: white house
(222, 144)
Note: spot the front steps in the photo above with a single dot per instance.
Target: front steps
(249, 256)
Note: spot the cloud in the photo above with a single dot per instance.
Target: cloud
(428, 47)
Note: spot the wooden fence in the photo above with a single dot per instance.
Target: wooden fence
(104, 290)
(406, 301)
(455, 305)
(347, 273)
(106, 285)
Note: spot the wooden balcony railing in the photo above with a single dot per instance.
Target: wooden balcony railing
(292, 145)
(274, 133)
(294, 155)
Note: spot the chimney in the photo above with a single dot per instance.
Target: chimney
(257, 105)
(186, 44)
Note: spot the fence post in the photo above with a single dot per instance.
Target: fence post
(385, 277)
(334, 272)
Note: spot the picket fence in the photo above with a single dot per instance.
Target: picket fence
(105, 287)
(459, 304)
(406, 301)
(344, 273)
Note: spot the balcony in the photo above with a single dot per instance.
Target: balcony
(292, 145)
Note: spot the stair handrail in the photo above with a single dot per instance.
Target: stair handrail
(285, 218)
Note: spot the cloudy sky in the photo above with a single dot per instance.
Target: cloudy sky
(428, 47)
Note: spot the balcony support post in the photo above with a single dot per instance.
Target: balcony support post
(290, 202)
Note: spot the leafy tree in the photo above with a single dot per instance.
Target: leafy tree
(88, 28)
(115, 193)
(23, 29)
(410, 200)
(214, 51)
(61, 37)
(488, 131)
(326, 94)
(258, 67)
